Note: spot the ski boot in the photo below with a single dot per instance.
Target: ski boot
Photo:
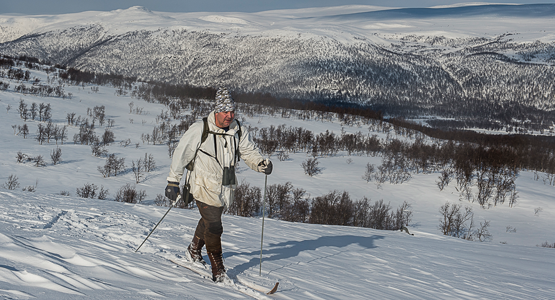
(218, 269)
(194, 251)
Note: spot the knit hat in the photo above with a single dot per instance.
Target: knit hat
(224, 101)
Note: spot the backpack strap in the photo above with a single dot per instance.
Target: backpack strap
(239, 132)
(204, 136)
(205, 130)
(191, 165)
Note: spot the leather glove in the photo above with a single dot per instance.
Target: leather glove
(172, 190)
(265, 167)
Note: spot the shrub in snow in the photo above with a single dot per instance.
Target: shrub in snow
(247, 201)
(129, 194)
(39, 161)
(460, 223)
(98, 149)
(162, 200)
(368, 173)
(108, 137)
(548, 245)
(21, 157)
(90, 191)
(113, 166)
(56, 155)
(310, 167)
(12, 183)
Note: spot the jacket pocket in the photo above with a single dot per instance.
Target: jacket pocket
(208, 182)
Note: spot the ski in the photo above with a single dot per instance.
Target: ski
(274, 289)
(251, 291)
(257, 287)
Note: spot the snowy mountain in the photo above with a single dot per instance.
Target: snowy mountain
(56, 244)
(473, 62)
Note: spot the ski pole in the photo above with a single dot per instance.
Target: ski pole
(263, 212)
(176, 201)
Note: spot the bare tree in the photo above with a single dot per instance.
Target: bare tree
(149, 163)
(482, 232)
(108, 137)
(12, 183)
(454, 221)
(23, 110)
(21, 157)
(368, 174)
(33, 111)
(71, 118)
(39, 161)
(444, 179)
(138, 169)
(56, 155)
(98, 149)
(113, 166)
(310, 167)
(61, 134)
(41, 134)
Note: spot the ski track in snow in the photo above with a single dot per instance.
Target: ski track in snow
(63, 247)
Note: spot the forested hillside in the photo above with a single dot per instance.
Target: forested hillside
(493, 81)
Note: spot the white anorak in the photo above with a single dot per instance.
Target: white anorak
(206, 178)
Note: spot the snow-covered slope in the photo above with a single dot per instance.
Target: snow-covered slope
(56, 247)
(62, 247)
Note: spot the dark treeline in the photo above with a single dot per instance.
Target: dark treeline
(527, 151)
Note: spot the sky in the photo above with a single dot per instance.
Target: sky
(35, 7)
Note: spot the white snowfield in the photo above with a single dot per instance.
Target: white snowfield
(55, 247)
(348, 23)
(64, 247)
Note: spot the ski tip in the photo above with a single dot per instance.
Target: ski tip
(274, 289)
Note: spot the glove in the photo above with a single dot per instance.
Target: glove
(172, 190)
(265, 167)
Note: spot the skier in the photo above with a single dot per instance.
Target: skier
(210, 150)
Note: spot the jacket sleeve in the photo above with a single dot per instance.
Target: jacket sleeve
(249, 151)
(185, 151)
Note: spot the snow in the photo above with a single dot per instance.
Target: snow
(58, 247)
(351, 22)
(223, 19)
(66, 247)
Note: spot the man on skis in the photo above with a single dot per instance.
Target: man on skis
(210, 161)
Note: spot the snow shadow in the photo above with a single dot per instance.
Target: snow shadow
(289, 249)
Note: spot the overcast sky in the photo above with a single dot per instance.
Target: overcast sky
(68, 6)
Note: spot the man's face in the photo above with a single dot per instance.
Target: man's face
(224, 118)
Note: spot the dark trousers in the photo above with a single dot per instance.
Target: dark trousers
(209, 227)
